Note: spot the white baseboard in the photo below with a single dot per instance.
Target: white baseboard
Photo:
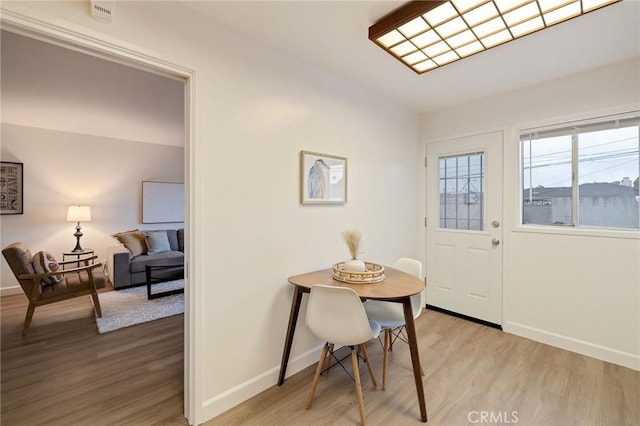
(234, 396)
(603, 353)
(8, 291)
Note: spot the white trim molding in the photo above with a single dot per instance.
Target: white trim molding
(603, 353)
(238, 394)
(9, 291)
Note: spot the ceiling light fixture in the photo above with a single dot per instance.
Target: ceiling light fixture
(425, 35)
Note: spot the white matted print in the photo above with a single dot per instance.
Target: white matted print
(323, 178)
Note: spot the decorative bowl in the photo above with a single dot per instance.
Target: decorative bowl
(374, 273)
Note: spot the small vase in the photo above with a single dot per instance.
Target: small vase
(355, 265)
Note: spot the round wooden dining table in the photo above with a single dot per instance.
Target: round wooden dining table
(397, 286)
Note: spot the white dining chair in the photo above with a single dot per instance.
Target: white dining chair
(390, 315)
(337, 316)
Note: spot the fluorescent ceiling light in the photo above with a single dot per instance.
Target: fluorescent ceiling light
(415, 58)
(490, 27)
(414, 27)
(507, 5)
(481, 14)
(426, 35)
(426, 39)
(436, 49)
(402, 49)
(464, 5)
(470, 49)
(521, 14)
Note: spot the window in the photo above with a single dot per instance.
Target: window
(462, 191)
(583, 173)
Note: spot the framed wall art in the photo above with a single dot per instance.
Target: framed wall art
(11, 188)
(162, 202)
(323, 178)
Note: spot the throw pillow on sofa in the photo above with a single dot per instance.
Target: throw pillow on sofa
(133, 240)
(157, 242)
(43, 262)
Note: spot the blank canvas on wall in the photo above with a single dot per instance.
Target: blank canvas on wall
(162, 202)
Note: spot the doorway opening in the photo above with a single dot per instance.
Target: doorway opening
(62, 37)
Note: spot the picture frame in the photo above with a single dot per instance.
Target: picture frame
(323, 178)
(11, 188)
(162, 202)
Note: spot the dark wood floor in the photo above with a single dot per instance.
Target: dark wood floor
(65, 373)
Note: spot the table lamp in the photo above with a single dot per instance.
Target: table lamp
(78, 214)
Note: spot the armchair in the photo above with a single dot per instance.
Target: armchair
(74, 282)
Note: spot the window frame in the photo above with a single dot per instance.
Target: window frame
(594, 120)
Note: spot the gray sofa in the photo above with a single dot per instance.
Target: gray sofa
(126, 270)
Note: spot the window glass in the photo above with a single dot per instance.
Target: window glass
(546, 175)
(583, 173)
(608, 163)
(462, 192)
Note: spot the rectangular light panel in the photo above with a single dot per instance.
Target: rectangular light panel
(425, 35)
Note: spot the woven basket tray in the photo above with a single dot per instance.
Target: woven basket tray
(373, 274)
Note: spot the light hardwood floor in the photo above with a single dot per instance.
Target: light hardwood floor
(470, 369)
(65, 373)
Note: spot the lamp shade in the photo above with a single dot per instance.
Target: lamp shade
(79, 214)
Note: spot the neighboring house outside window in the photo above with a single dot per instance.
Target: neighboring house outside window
(582, 173)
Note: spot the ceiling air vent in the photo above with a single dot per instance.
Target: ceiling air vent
(102, 10)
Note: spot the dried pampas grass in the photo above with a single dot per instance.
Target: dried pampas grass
(352, 238)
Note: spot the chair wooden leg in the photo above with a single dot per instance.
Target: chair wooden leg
(96, 304)
(27, 318)
(356, 375)
(385, 357)
(330, 358)
(316, 377)
(366, 359)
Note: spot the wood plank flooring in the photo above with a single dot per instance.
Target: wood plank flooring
(65, 373)
(470, 370)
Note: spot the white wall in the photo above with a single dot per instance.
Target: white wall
(63, 169)
(578, 290)
(255, 110)
(52, 87)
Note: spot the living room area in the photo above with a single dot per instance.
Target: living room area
(88, 132)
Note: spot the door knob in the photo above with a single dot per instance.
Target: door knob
(495, 242)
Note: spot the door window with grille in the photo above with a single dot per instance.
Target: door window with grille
(462, 191)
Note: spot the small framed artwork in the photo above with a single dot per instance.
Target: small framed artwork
(323, 178)
(11, 186)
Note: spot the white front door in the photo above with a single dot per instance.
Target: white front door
(464, 226)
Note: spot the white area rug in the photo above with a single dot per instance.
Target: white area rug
(124, 308)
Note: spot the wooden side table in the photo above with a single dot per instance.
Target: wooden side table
(78, 255)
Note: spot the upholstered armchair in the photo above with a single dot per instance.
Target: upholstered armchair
(43, 287)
